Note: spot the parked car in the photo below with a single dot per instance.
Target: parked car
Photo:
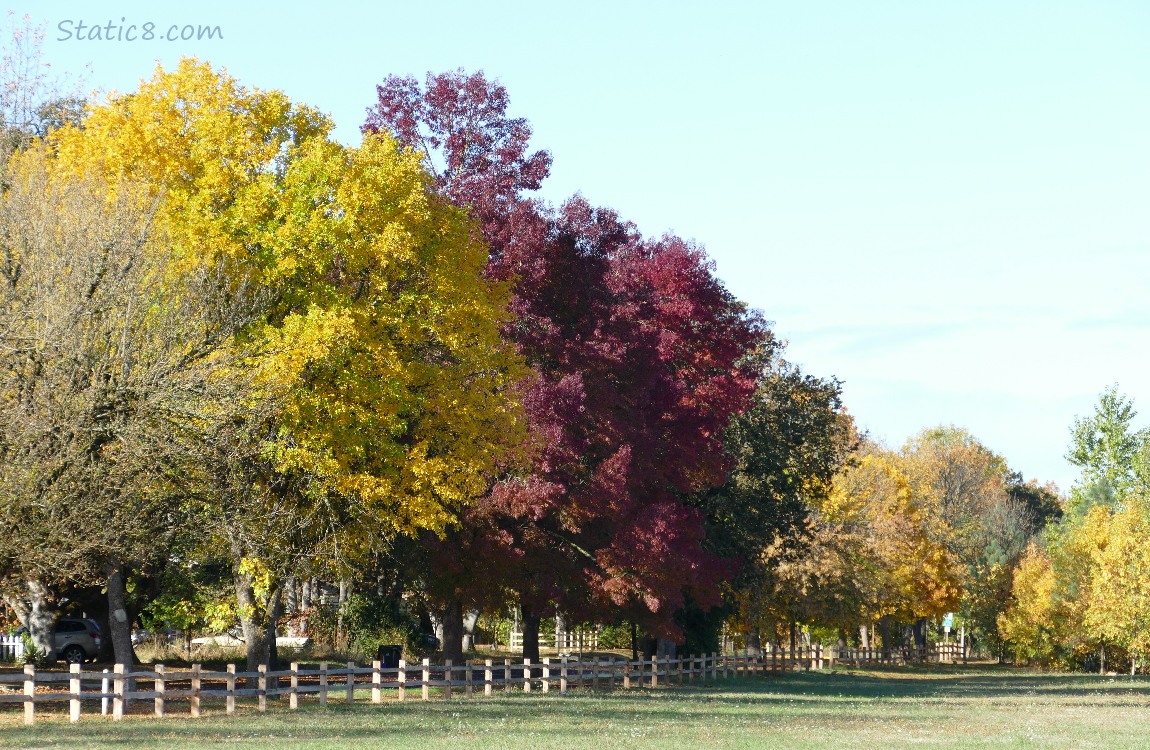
(77, 639)
(164, 637)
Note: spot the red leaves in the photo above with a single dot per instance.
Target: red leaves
(478, 155)
(637, 351)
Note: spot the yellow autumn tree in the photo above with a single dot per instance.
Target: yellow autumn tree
(977, 509)
(1087, 593)
(959, 483)
(1117, 601)
(1030, 622)
(899, 571)
(377, 397)
(1074, 554)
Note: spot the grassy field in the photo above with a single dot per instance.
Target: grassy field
(951, 708)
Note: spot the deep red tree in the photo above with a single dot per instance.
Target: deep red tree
(637, 351)
(478, 156)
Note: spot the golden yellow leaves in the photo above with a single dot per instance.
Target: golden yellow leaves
(410, 399)
(901, 570)
(1030, 621)
(1091, 586)
(211, 147)
(380, 327)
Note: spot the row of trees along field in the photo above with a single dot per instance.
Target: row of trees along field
(244, 365)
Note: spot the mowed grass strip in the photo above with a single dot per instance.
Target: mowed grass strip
(951, 708)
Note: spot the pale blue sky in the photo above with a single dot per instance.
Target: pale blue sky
(942, 204)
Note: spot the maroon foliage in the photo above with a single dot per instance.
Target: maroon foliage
(637, 351)
(477, 154)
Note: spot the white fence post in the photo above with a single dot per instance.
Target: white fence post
(159, 685)
(194, 702)
(230, 698)
(74, 689)
(29, 694)
(262, 687)
(118, 690)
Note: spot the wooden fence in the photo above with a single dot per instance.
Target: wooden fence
(115, 691)
(942, 653)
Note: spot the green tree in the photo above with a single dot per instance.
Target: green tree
(786, 449)
(1108, 451)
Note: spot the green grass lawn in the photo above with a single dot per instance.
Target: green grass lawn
(951, 708)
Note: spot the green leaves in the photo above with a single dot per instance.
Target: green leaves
(1109, 451)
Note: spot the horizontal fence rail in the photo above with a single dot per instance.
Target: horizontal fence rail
(116, 690)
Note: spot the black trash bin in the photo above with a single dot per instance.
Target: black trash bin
(389, 656)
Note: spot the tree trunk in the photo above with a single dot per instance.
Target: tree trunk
(864, 636)
(884, 634)
(291, 600)
(273, 649)
(452, 620)
(470, 620)
(37, 615)
(1101, 658)
(258, 620)
(754, 643)
(920, 632)
(341, 636)
(634, 642)
(794, 639)
(560, 630)
(530, 635)
(119, 623)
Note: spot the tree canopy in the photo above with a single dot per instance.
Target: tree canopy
(245, 366)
